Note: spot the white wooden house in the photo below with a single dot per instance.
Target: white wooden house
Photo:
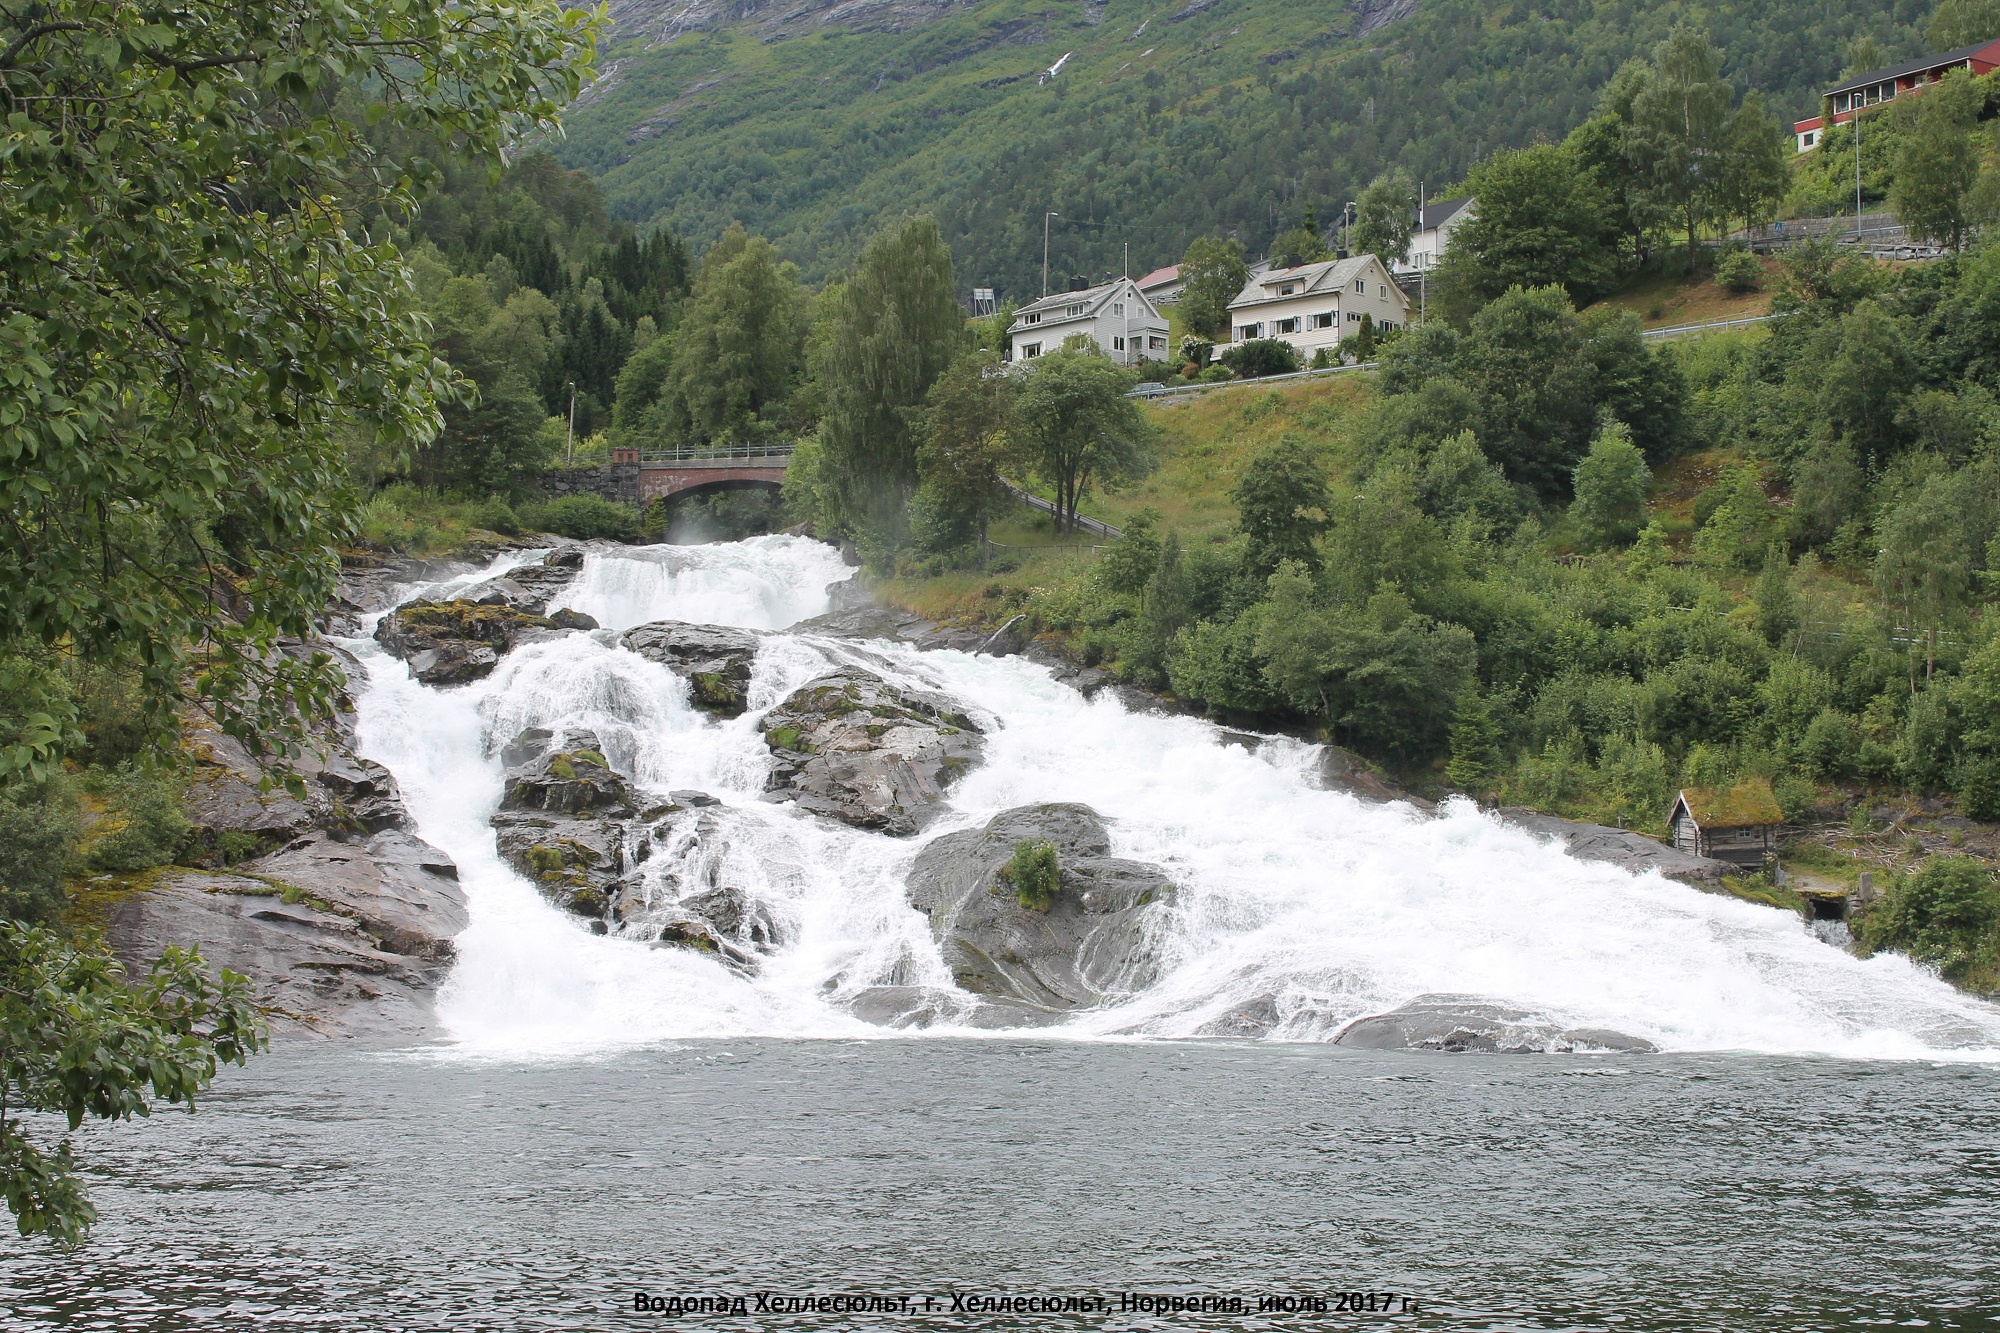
(1318, 305)
(1432, 234)
(1117, 316)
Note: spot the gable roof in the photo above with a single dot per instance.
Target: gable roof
(1436, 215)
(1092, 299)
(1749, 804)
(1328, 275)
(1911, 67)
(1159, 277)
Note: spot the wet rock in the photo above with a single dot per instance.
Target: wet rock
(342, 918)
(1343, 770)
(1252, 1018)
(529, 588)
(906, 1006)
(853, 747)
(1622, 847)
(568, 619)
(316, 969)
(1089, 944)
(895, 625)
(1466, 1023)
(714, 661)
(449, 643)
(563, 819)
(682, 894)
(575, 779)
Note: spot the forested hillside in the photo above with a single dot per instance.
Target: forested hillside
(810, 123)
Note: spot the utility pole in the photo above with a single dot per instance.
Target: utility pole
(1857, 176)
(1125, 303)
(1045, 250)
(569, 450)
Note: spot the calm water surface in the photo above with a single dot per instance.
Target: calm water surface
(342, 1189)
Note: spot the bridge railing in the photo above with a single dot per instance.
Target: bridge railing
(716, 455)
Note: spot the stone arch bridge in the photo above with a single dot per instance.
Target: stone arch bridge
(668, 473)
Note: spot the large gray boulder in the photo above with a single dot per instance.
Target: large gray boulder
(450, 643)
(853, 747)
(1467, 1023)
(529, 588)
(563, 819)
(715, 661)
(341, 917)
(1089, 944)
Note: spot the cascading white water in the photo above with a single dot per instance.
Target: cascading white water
(1335, 907)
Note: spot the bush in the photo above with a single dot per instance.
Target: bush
(1216, 374)
(143, 824)
(1739, 271)
(38, 831)
(1034, 873)
(583, 517)
(1944, 915)
(1260, 357)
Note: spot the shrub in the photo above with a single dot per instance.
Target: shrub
(1034, 873)
(143, 824)
(1260, 357)
(38, 832)
(1943, 915)
(583, 517)
(1739, 271)
(1216, 374)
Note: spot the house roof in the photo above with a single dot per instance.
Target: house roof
(1436, 215)
(1749, 804)
(1328, 275)
(1159, 277)
(1092, 299)
(1911, 67)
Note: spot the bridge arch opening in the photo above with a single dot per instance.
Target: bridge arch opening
(717, 511)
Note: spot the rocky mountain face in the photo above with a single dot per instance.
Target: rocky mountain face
(337, 910)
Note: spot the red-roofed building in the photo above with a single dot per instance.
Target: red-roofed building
(1162, 286)
(1884, 85)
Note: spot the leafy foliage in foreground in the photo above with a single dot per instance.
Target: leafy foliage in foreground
(79, 1041)
(193, 326)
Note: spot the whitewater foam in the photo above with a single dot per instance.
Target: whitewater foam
(1308, 904)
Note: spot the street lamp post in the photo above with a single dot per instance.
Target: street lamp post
(1045, 250)
(569, 449)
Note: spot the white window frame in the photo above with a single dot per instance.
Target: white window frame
(1029, 351)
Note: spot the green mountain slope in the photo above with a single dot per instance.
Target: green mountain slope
(812, 122)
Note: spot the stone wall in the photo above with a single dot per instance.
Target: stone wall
(613, 481)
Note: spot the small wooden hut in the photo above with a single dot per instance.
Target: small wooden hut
(1736, 824)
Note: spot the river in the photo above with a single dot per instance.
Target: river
(1817, 1144)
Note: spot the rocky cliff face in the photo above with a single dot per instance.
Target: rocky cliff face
(341, 915)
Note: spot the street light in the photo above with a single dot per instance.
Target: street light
(1045, 250)
(569, 450)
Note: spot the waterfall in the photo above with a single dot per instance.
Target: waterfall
(1318, 905)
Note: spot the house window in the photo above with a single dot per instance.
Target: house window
(1117, 307)
(1323, 320)
(1074, 310)
(1357, 284)
(1031, 319)
(1287, 288)
(1117, 344)
(1157, 344)
(1030, 351)
(1245, 332)
(1286, 325)
(1353, 317)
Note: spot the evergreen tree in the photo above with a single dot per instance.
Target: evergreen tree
(1475, 744)
(963, 438)
(1611, 484)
